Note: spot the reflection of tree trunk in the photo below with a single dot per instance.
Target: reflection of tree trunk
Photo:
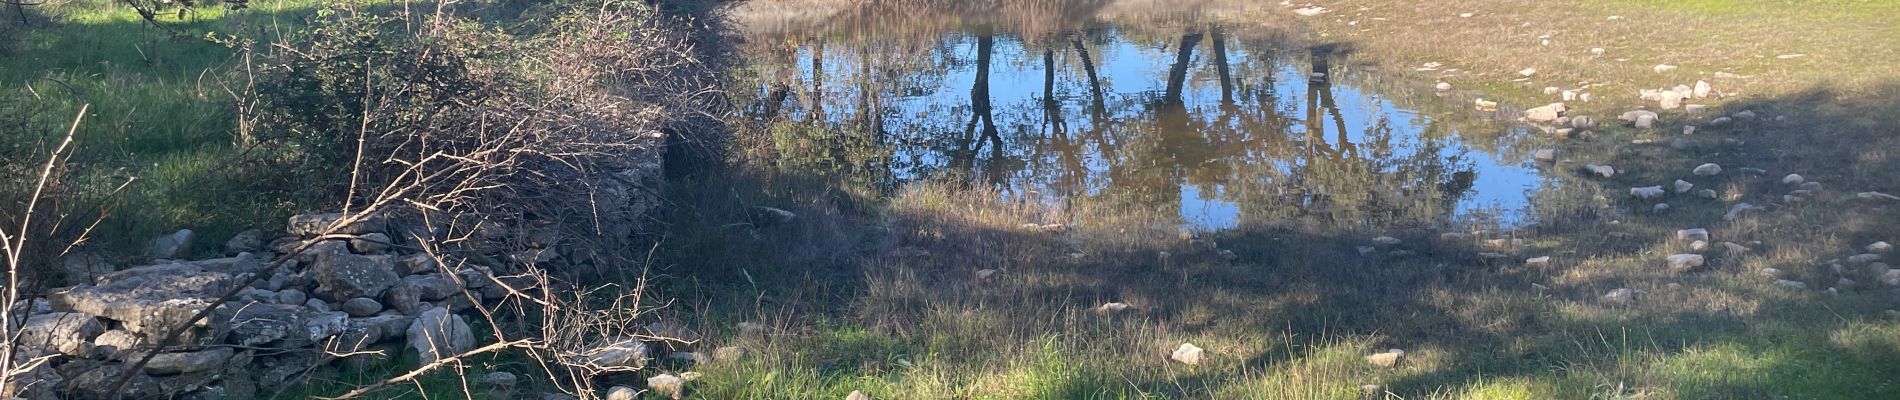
(1220, 64)
(817, 80)
(1095, 81)
(971, 144)
(1319, 100)
(1177, 75)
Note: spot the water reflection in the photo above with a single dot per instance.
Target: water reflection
(1217, 125)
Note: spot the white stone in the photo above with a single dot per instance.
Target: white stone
(1386, 359)
(857, 395)
(1661, 68)
(1646, 121)
(1692, 234)
(1582, 122)
(1569, 95)
(1310, 11)
(622, 393)
(1527, 71)
(1793, 179)
(1684, 262)
(438, 334)
(1111, 308)
(1879, 248)
(1546, 113)
(984, 273)
(1549, 90)
(1702, 89)
(1773, 273)
(1621, 296)
(1670, 100)
(1708, 169)
(1688, 129)
(1442, 86)
(1597, 51)
(669, 385)
(1538, 261)
(1604, 171)
(1744, 114)
(1683, 186)
(1188, 354)
(1647, 192)
(1660, 207)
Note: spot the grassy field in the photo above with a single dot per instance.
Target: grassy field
(880, 292)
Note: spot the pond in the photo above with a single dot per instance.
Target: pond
(1221, 123)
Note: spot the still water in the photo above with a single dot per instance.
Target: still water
(1214, 122)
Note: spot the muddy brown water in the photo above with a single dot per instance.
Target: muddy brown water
(1199, 119)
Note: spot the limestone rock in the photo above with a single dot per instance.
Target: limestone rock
(1702, 89)
(150, 300)
(370, 243)
(1671, 100)
(1692, 234)
(361, 307)
(857, 395)
(1708, 169)
(432, 287)
(668, 385)
(1442, 86)
(1647, 192)
(308, 225)
(1583, 122)
(65, 332)
(622, 393)
(1603, 171)
(342, 276)
(1662, 68)
(1386, 359)
(1112, 308)
(1879, 248)
(1682, 263)
(1634, 115)
(626, 354)
(1538, 261)
(1188, 354)
(1683, 186)
(1793, 179)
(188, 362)
(1737, 210)
(1546, 113)
(258, 324)
(437, 334)
(174, 245)
(1621, 296)
(246, 241)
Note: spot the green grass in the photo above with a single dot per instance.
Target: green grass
(160, 113)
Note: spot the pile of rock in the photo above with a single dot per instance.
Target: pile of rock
(333, 297)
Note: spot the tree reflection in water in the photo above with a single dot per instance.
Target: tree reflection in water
(1183, 117)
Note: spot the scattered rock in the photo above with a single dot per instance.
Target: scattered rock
(1112, 308)
(1688, 129)
(1683, 263)
(857, 395)
(626, 354)
(1187, 353)
(1791, 285)
(1545, 155)
(1692, 234)
(1683, 186)
(172, 246)
(1863, 258)
(1793, 179)
(622, 393)
(1734, 249)
(1719, 121)
(1699, 246)
(1879, 248)
(1647, 192)
(1546, 113)
(1310, 11)
(1708, 169)
(1386, 359)
(1583, 122)
(246, 241)
(1622, 296)
(1538, 261)
(668, 385)
(1736, 211)
(1660, 207)
(982, 274)
(1671, 100)
(1442, 86)
(1527, 71)
(1773, 273)
(728, 353)
(1603, 171)
(1744, 115)
(1891, 277)
(438, 334)
(1647, 121)
(1661, 68)
(151, 300)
